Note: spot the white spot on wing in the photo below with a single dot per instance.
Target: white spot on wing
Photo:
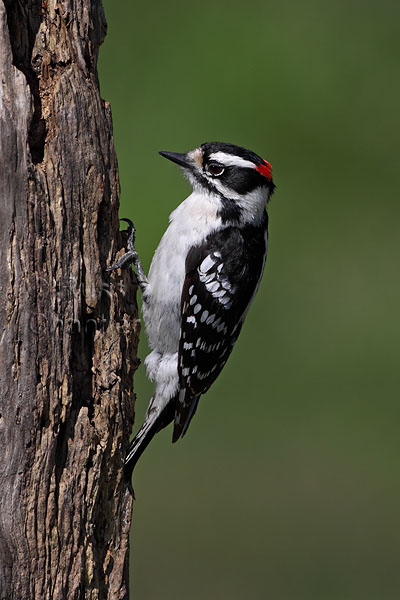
(193, 300)
(212, 287)
(206, 278)
(204, 316)
(207, 264)
(197, 308)
(225, 301)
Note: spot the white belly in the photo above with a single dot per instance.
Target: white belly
(190, 224)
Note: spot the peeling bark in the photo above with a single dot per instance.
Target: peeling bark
(68, 331)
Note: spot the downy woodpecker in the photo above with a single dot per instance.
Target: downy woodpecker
(202, 280)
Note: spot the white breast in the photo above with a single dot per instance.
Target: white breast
(190, 224)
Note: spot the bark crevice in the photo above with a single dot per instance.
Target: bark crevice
(25, 20)
(68, 330)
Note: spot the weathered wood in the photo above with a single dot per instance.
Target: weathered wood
(68, 331)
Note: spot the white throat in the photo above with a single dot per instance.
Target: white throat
(251, 204)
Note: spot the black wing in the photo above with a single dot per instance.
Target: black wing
(222, 277)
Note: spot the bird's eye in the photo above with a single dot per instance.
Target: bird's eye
(215, 169)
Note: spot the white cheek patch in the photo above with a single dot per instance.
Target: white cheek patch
(229, 160)
(224, 190)
(253, 205)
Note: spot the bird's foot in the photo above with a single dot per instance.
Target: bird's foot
(131, 256)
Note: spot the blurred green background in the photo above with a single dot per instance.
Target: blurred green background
(287, 485)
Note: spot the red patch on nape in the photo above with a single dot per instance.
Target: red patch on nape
(265, 169)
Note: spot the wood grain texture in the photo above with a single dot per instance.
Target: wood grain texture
(68, 331)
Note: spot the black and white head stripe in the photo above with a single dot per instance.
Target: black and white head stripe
(228, 171)
(233, 173)
(221, 277)
(233, 155)
(235, 158)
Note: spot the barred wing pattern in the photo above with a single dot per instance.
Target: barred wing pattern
(222, 276)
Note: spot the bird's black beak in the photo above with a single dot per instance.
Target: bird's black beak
(180, 159)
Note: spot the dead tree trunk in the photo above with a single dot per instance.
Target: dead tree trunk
(68, 332)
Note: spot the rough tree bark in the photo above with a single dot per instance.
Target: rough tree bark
(68, 331)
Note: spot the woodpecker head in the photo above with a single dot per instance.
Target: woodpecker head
(239, 179)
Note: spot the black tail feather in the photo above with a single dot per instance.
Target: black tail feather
(155, 421)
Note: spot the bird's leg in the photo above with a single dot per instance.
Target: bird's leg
(131, 257)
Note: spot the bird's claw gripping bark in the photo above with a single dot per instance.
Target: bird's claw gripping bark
(131, 234)
(131, 257)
